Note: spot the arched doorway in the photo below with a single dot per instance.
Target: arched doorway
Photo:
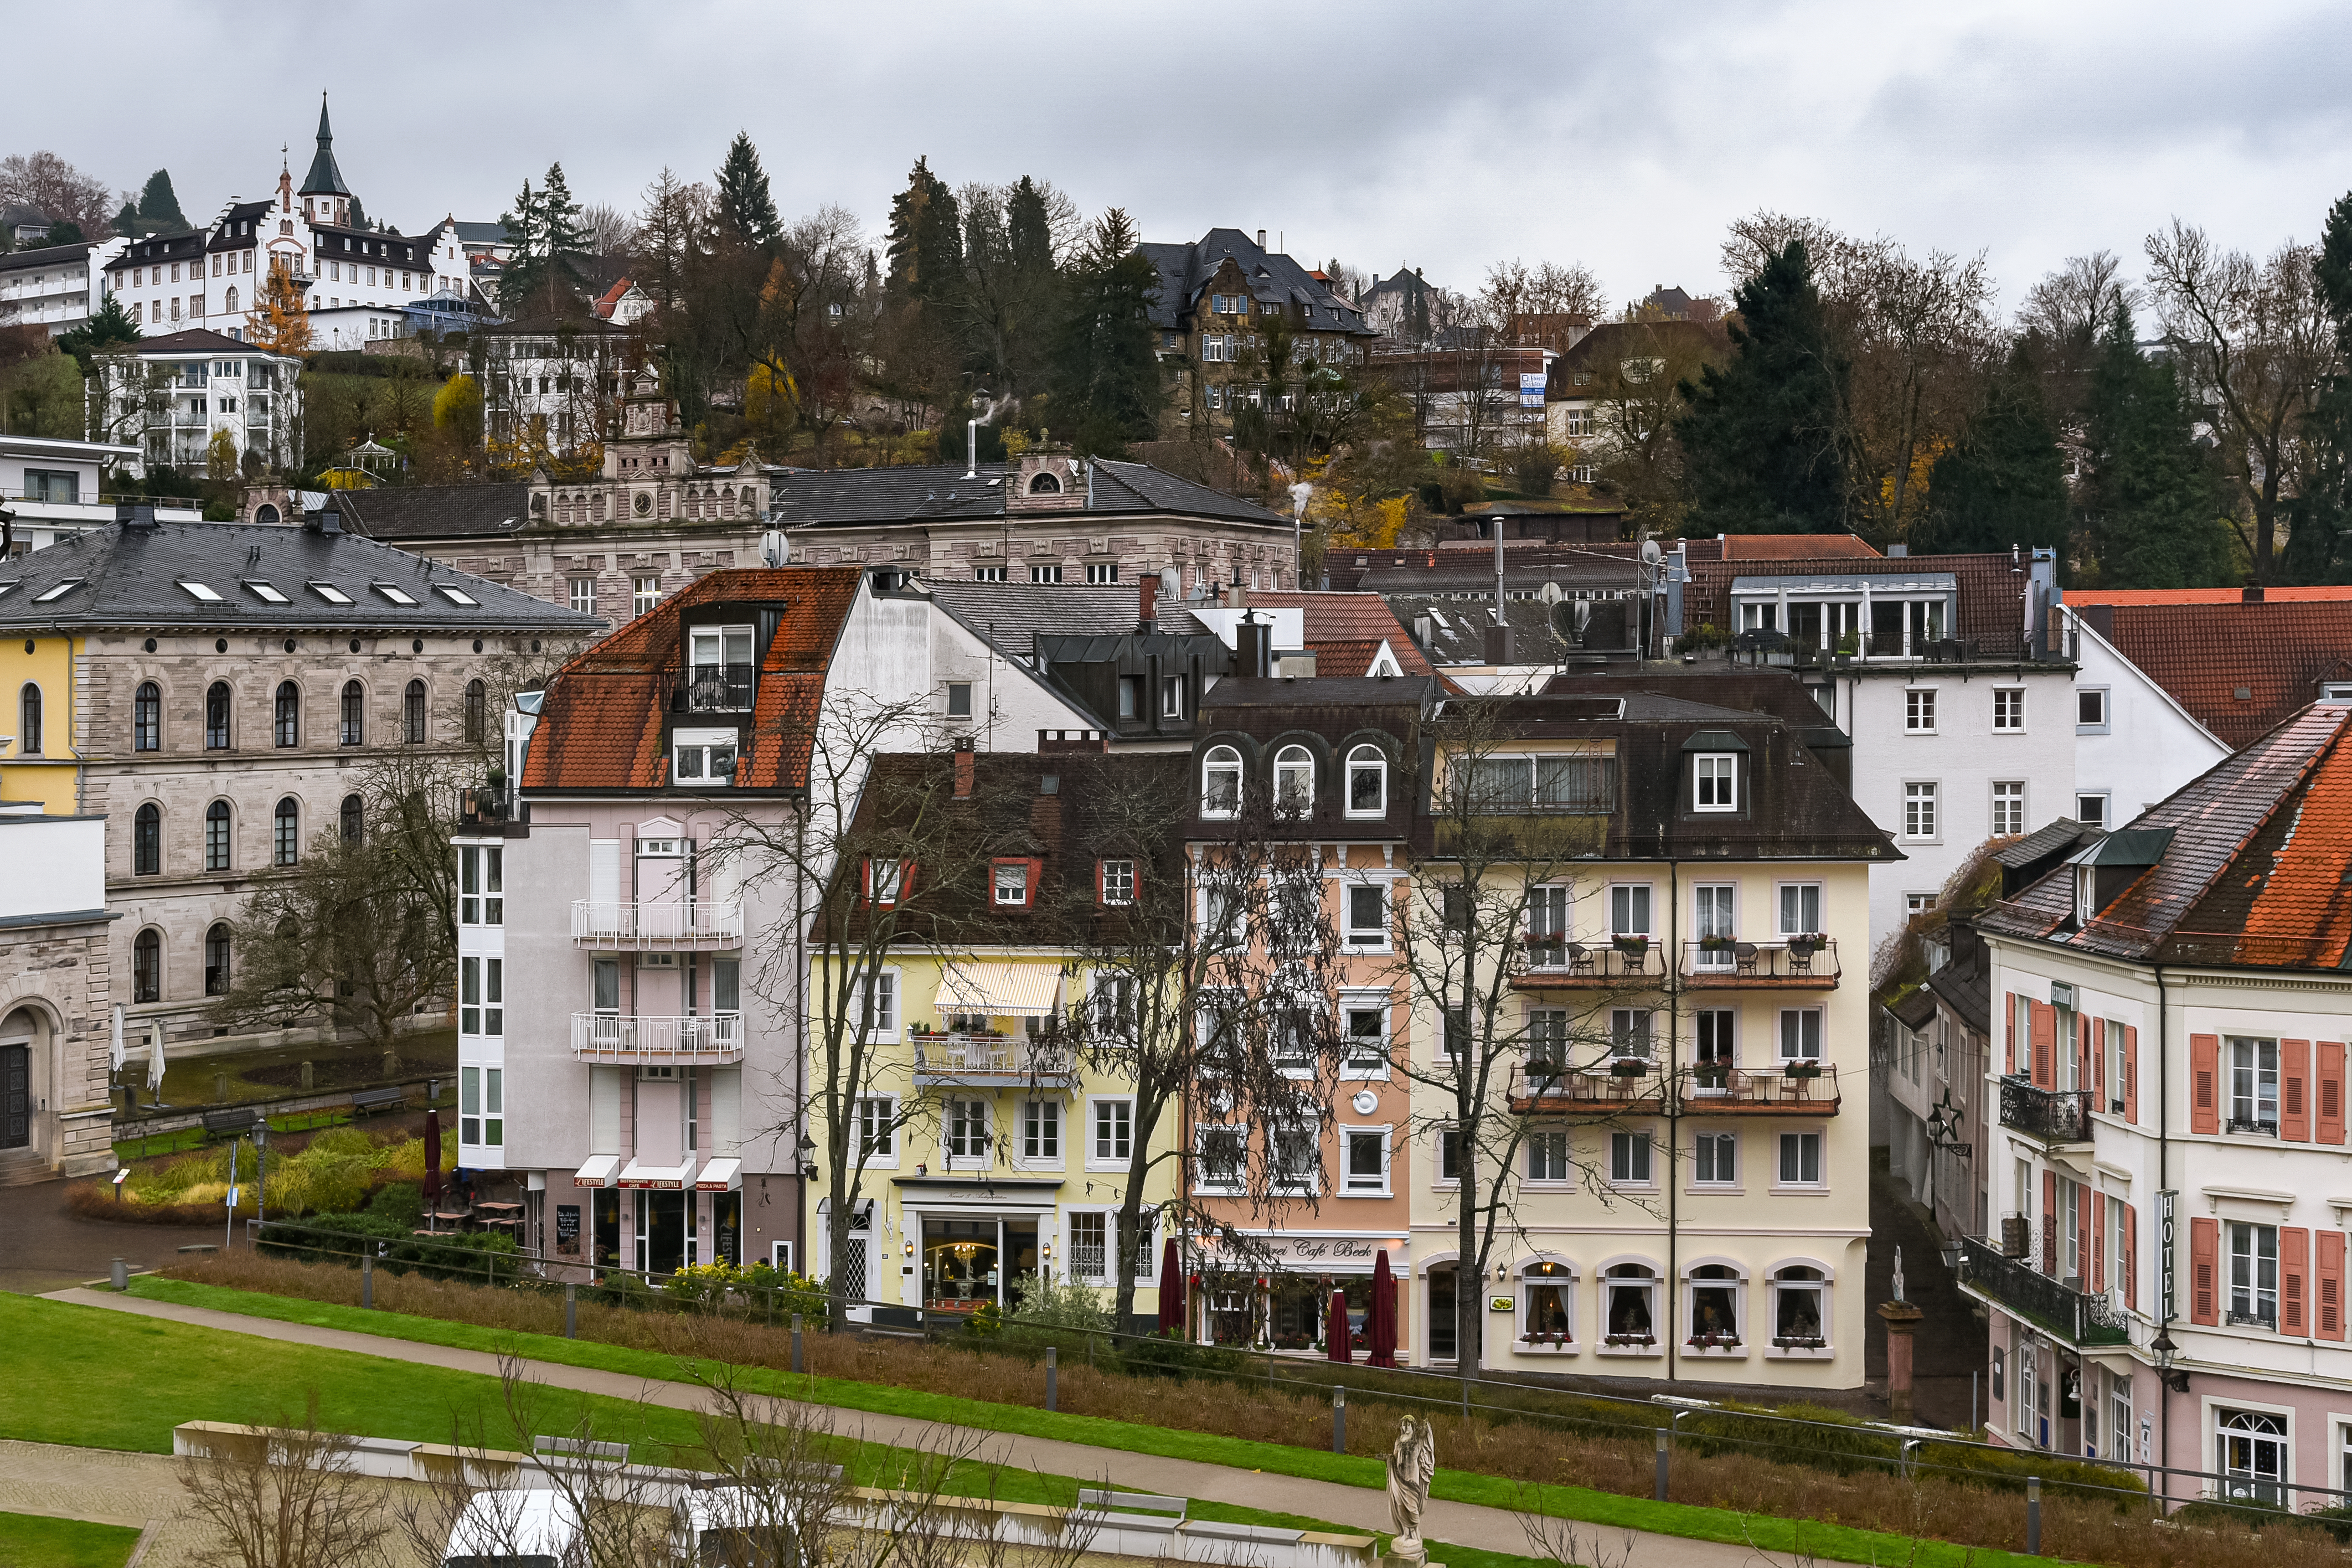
(23, 1058)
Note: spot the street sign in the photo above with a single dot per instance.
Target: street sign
(232, 1197)
(1531, 389)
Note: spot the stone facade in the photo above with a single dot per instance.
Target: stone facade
(55, 995)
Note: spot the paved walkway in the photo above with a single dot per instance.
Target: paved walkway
(1356, 1508)
(100, 1485)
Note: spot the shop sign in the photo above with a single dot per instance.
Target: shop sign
(1320, 1249)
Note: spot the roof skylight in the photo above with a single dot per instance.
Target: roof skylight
(266, 591)
(200, 590)
(10, 585)
(60, 591)
(397, 595)
(330, 593)
(455, 594)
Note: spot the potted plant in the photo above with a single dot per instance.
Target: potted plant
(1632, 946)
(1848, 645)
(1712, 1076)
(1629, 1067)
(1804, 946)
(1802, 1069)
(1797, 1342)
(1717, 943)
(1631, 1340)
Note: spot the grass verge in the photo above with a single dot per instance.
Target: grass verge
(35, 1540)
(1762, 1533)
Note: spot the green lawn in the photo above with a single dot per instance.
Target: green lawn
(1766, 1533)
(30, 1541)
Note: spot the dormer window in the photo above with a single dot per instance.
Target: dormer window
(1368, 781)
(703, 758)
(1294, 782)
(2086, 896)
(1043, 484)
(719, 668)
(1717, 783)
(1221, 783)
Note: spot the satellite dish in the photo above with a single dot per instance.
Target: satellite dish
(1650, 553)
(1548, 594)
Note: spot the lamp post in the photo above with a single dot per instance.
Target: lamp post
(2175, 1378)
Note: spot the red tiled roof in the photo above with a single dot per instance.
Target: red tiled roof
(601, 725)
(1341, 623)
(2327, 593)
(1793, 546)
(2205, 653)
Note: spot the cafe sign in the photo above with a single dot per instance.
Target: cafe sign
(1320, 1251)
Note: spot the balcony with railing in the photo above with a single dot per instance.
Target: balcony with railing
(715, 688)
(2074, 1317)
(1627, 1084)
(658, 926)
(695, 1040)
(2050, 1115)
(1554, 962)
(1786, 1089)
(1000, 1061)
(1790, 963)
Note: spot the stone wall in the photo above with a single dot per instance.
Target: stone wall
(57, 977)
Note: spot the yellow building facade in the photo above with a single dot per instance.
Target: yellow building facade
(41, 675)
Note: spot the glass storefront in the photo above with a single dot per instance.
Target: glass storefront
(726, 1227)
(967, 1262)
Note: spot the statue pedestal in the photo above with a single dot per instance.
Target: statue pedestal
(1902, 1319)
(1408, 1548)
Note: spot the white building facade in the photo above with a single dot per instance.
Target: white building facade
(172, 395)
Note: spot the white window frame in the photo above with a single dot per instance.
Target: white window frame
(702, 742)
(1923, 801)
(1620, 899)
(893, 988)
(2105, 722)
(1556, 1139)
(1103, 881)
(2104, 800)
(1737, 1284)
(1782, 1055)
(1919, 709)
(2015, 792)
(1366, 759)
(1715, 782)
(1044, 1116)
(1529, 1282)
(999, 883)
(1357, 1001)
(1709, 1179)
(1220, 761)
(887, 1113)
(1095, 1160)
(1291, 764)
(949, 1115)
(1201, 1137)
(1780, 891)
(1353, 937)
(1349, 1134)
(2016, 696)
(1823, 1292)
(1636, 1154)
(1794, 1142)
(1439, 1134)
(1172, 697)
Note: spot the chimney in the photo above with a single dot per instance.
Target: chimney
(1261, 239)
(139, 514)
(963, 768)
(1498, 645)
(2253, 595)
(1254, 647)
(326, 519)
(1147, 610)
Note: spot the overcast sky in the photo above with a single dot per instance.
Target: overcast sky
(1438, 136)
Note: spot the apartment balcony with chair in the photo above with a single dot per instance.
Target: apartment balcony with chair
(1786, 1089)
(2050, 1115)
(2076, 1318)
(986, 1061)
(665, 926)
(704, 1039)
(1627, 1084)
(715, 688)
(1553, 963)
(1790, 963)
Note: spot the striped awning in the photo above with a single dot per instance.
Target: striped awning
(1001, 990)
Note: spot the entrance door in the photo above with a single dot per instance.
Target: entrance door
(958, 1263)
(1442, 1345)
(1020, 1258)
(605, 1221)
(2254, 1457)
(661, 1232)
(16, 1096)
(726, 1227)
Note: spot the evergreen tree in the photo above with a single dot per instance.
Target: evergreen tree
(108, 326)
(64, 232)
(1107, 389)
(2153, 505)
(1760, 436)
(746, 208)
(2320, 519)
(126, 222)
(1029, 230)
(926, 247)
(545, 230)
(157, 205)
(359, 214)
(2004, 481)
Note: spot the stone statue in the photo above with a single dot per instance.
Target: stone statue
(1412, 1465)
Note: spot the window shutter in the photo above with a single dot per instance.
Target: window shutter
(2328, 1265)
(2330, 1091)
(1037, 876)
(2129, 1262)
(2097, 1034)
(2098, 1275)
(2295, 1262)
(2083, 1232)
(2204, 1266)
(2008, 1016)
(2131, 1074)
(2045, 1045)
(2204, 1083)
(2294, 1083)
(2050, 1222)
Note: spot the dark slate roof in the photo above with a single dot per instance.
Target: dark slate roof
(1915, 1010)
(851, 496)
(177, 246)
(224, 234)
(1720, 685)
(437, 511)
(2256, 872)
(1012, 615)
(481, 233)
(1469, 568)
(44, 256)
(131, 577)
(195, 341)
(369, 245)
(1258, 716)
(324, 178)
(1273, 278)
(1338, 693)
(2060, 837)
(1457, 631)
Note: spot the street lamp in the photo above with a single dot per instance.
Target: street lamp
(2172, 1377)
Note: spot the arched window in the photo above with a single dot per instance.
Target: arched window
(1045, 484)
(228, 301)
(147, 967)
(217, 836)
(147, 841)
(286, 840)
(1548, 1304)
(147, 718)
(265, 515)
(351, 823)
(477, 701)
(1221, 783)
(216, 705)
(216, 962)
(412, 714)
(354, 727)
(1630, 1306)
(28, 722)
(1801, 1305)
(290, 713)
(1368, 781)
(1713, 1310)
(1294, 782)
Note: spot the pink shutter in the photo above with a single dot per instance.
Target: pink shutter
(2204, 1267)
(2045, 1045)
(2294, 1089)
(2130, 1262)
(2329, 1266)
(2328, 1090)
(2009, 1018)
(2098, 1242)
(2295, 1263)
(2204, 1083)
(2131, 1075)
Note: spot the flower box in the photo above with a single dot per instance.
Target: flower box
(1623, 1341)
(1631, 946)
(1713, 1342)
(1634, 1068)
(1717, 943)
(1802, 1069)
(1799, 1342)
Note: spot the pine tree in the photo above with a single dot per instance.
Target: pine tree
(1106, 382)
(746, 207)
(2003, 483)
(549, 240)
(2153, 504)
(108, 326)
(126, 222)
(2317, 547)
(158, 205)
(1029, 230)
(1759, 437)
(926, 248)
(525, 231)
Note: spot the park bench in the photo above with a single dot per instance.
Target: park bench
(369, 1100)
(236, 1122)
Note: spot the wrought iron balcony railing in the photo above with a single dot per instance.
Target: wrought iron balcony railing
(1553, 961)
(715, 688)
(2073, 1316)
(1792, 963)
(2053, 1115)
(990, 1058)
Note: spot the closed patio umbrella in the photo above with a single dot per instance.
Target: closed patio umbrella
(1381, 1327)
(1336, 1343)
(1171, 1292)
(432, 1158)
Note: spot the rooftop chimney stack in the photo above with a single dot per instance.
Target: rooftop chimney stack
(1254, 646)
(965, 767)
(1147, 613)
(1261, 239)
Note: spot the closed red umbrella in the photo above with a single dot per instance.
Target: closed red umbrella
(1336, 1342)
(1171, 1292)
(1380, 1330)
(432, 1158)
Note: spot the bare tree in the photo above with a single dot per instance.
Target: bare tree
(1548, 288)
(57, 191)
(286, 1496)
(2256, 344)
(1634, 418)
